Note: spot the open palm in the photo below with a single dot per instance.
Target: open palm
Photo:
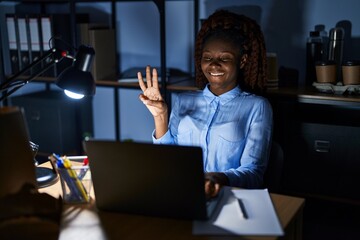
(151, 95)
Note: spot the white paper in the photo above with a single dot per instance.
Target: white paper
(261, 218)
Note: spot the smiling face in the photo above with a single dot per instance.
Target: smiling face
(221, 63)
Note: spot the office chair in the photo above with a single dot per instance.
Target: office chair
(273, 173)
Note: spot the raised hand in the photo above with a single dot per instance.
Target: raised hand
(151, 95)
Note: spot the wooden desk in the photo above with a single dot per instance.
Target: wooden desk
(85, 222)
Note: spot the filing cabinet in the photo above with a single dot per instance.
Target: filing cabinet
(321, 144)
(55, 122)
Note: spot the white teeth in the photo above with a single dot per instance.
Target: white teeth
(216, 74)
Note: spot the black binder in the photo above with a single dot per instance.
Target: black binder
(55, 32)
(24, 41)
(104, 63)
(14, 43)
(46, 33)
(34, 40)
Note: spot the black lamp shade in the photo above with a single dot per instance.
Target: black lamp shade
(78, 78)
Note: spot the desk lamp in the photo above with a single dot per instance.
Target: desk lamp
(76, 81)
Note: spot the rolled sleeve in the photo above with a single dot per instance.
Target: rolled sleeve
(165, 139)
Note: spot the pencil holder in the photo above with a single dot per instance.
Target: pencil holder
(76, 184)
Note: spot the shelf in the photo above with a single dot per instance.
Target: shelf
(171, 85)
(174, 84)
(311, 95)
(178, 84)
(185, 85)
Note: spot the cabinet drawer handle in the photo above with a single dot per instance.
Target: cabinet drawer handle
(35, 115)
(322, 146)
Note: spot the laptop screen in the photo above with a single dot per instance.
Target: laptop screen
(17, 163)
(148, 179)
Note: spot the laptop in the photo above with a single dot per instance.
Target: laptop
(16, 158)
(149, 179)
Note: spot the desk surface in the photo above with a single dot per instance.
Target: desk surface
(85, 222)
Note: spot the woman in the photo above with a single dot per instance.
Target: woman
(227, 118)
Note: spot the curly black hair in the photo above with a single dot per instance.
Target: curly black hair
(245, 33)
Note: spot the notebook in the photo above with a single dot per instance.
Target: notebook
(149, 179)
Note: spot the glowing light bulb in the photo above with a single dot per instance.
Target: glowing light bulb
(73, 95)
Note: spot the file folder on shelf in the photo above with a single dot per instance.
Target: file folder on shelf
(11, 25)
(24, 41)
(34, 38)
(30, 35)
(102, 38)
(45, 41)
(55, 32)
(104, 64)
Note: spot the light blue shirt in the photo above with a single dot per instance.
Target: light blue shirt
(234, 131)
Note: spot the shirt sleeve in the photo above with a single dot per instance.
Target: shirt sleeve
(168, 137)
(255, 156)
(165, 139)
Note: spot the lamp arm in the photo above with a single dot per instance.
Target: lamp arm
(12, 82)
(16, 85)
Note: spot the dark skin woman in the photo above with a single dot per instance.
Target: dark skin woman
(230, 61)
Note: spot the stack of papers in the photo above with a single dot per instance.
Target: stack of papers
(242, 212)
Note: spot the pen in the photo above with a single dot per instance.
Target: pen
(58, 159)
(243, 210)
(83, 171)
(76, 157)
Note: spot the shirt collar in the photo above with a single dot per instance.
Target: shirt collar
(223, 98)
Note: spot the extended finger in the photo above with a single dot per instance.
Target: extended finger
(148, 77)
(141, 81)
(155, 78)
